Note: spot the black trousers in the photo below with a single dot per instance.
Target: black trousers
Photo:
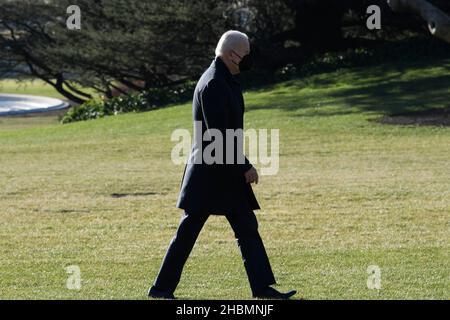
(245, 227)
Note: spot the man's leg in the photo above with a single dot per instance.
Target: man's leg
(178, 252)
(256, 262)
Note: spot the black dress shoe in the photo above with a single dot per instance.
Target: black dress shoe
(159, 294)
(271, 293)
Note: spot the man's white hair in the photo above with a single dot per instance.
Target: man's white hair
(230, 40)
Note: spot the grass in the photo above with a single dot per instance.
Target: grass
(33, 87)
(350, 193)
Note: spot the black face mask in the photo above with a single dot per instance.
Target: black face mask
(246, 62)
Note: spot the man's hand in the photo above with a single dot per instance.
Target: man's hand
(251, 176)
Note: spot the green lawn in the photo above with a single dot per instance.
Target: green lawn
(33, 87)
(350, 193)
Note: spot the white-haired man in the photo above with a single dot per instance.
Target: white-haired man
(220, 188)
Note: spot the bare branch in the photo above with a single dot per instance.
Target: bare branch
(438, 22)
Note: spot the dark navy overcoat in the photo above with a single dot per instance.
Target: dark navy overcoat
(217, 188)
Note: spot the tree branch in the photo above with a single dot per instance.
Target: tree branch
(438, 22)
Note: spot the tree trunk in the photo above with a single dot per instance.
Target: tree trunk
(438, 22)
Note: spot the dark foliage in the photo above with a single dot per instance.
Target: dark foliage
(133, 46)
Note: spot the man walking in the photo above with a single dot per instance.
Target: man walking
(220, 188)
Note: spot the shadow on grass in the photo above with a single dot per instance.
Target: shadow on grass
(384, 90)
(136, 194)
(399, 96)
(432, 117)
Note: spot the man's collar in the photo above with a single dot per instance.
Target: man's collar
(222, 67)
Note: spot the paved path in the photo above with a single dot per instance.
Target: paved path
(14, 104)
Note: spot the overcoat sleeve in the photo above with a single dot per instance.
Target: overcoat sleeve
(214, 100)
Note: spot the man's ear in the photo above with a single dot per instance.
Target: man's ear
(231, 57)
